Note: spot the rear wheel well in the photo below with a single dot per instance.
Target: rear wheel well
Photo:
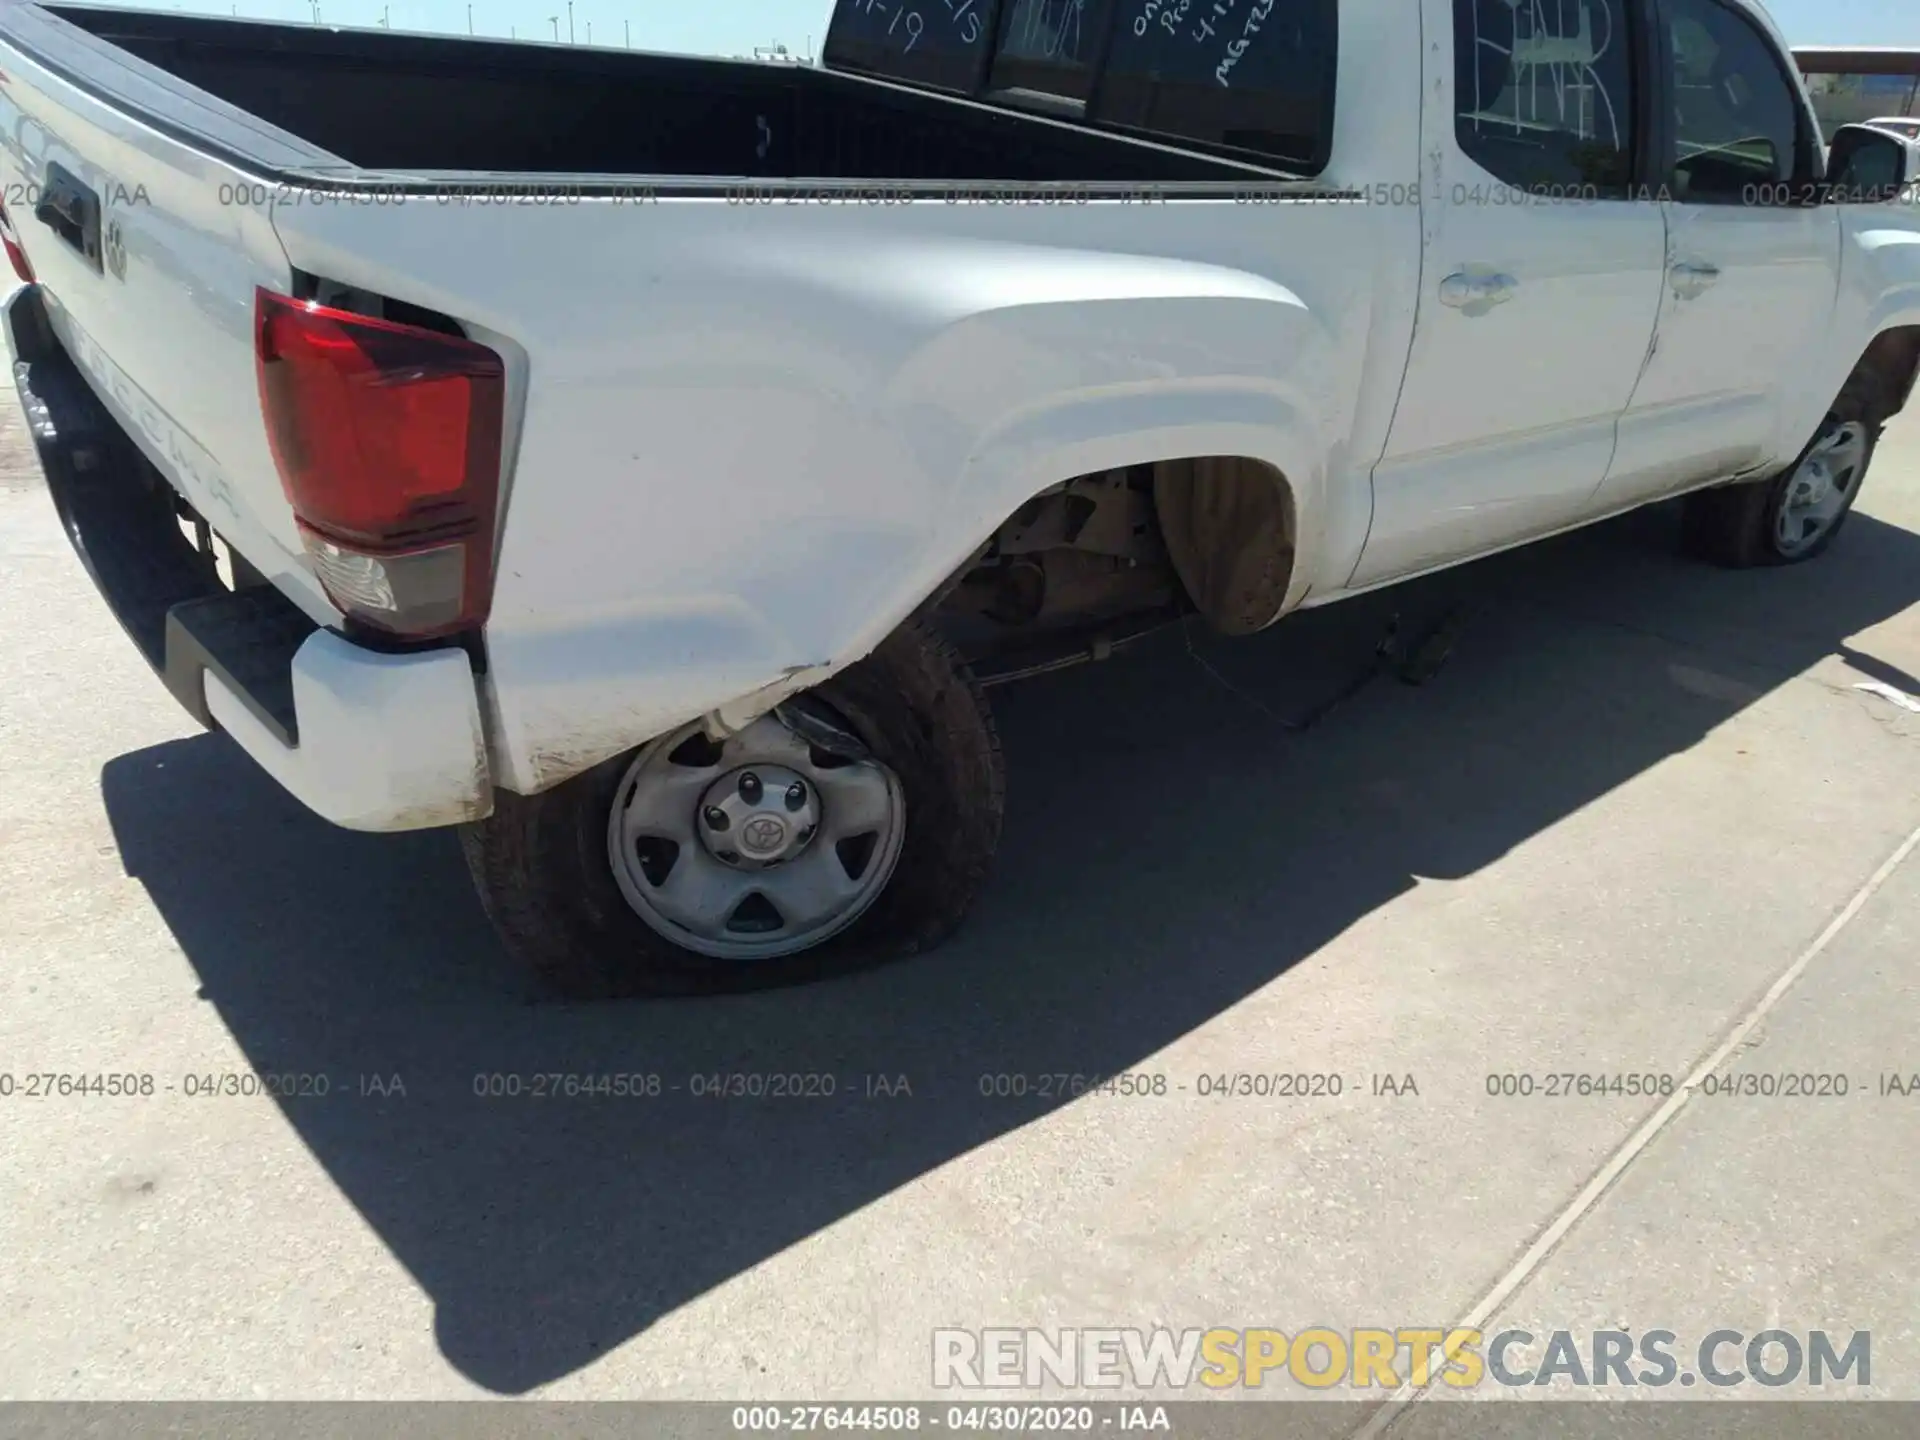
(1210, 534)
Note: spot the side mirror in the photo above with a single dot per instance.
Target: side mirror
(1867, 165)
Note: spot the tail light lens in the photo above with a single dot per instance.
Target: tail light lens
(15, 255)
(387, 438)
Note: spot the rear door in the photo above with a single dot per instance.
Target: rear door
(1541, 277)
(148, 249)
(1753, 258)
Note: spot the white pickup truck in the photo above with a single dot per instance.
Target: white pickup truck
(639, 461)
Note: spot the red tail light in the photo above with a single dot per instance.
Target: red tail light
(15, 254)
(387, 438)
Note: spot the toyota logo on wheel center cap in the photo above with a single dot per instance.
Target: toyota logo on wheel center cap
(763, 835)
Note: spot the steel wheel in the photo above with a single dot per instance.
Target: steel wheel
(754, 847)
(1822, 488)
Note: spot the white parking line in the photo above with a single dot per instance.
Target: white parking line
(1397, 1404)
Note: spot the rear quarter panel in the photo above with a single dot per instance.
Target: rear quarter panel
(756, 436)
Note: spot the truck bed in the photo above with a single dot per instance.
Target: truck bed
(420, 103)
(863, 392)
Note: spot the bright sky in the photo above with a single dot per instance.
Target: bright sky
(735, 27)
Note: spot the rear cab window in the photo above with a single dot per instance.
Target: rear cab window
(1050, 48)
(1253, 77)
(1245, 79)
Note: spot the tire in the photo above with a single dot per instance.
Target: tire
(543, 870)
(1738, 526)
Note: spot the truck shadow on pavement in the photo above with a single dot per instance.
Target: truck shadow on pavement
(1170, 848)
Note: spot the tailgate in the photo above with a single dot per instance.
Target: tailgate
(148, 246)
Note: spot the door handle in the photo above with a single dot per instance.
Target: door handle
(1476, 294)
(1691, 281)
(72, 211)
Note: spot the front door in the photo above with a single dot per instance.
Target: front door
(1753, 261)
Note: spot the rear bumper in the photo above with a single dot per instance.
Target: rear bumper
(386, 742)
(369, 740)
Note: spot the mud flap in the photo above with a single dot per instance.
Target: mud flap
(1229, 533)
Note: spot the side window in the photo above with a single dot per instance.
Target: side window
(1737, 118)
(1543, 92)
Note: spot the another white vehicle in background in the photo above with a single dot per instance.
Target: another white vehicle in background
(639, 461)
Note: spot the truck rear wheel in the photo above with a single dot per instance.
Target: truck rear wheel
(852, 826)
(1796, 515)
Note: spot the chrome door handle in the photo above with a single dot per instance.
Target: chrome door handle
(1477, 294)
(1691, 281)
